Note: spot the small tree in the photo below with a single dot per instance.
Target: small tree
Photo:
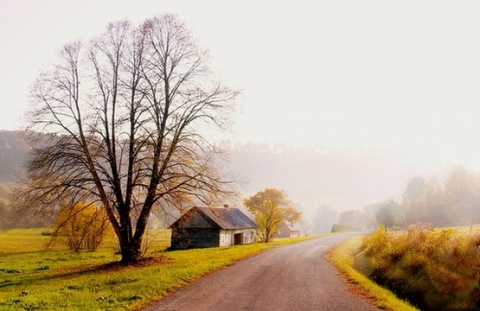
(390, 214)
(84, 226)
(270, 207)
(351, 220)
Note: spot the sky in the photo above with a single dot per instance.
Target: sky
(400, 77)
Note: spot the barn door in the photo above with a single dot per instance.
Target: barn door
(237, 238)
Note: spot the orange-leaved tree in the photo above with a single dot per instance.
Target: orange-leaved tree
(270, 207)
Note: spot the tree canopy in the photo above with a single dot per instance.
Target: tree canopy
(453, 201)
(270, 207)
(126, 113)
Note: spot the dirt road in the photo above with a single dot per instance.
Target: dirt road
(291, 277)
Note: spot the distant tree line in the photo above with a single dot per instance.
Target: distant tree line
(13, 218)
(454, 201)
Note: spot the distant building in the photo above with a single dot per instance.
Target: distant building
(287, 229)
(212, 227)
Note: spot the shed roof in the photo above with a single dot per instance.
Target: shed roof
(225, 218)
(292, 226)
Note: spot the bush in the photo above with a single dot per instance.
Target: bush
(343, 228)
(84, 225)
(434, 269)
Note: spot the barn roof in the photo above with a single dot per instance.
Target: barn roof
(225, 218)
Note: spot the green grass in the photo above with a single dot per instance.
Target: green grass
(342, 257)
(22, 241)
(32, 278)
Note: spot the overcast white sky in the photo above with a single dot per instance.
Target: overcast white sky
(398, 76)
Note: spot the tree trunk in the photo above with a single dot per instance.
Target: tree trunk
(131, 252)
(267, 235)
(130, 246)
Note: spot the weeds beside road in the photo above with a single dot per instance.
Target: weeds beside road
(342, 257)
(436, 269)
(432, 268)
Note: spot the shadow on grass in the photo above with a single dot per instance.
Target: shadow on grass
(71, 273)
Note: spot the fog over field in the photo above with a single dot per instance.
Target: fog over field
(321, 183)
(342, 102)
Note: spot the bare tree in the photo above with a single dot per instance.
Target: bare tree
(126, 114)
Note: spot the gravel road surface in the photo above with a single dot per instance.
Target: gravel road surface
(291, 277)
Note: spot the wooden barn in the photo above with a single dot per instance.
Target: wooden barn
(287, 229)
(212, 227)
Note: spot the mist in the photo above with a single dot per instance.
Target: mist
(358, 190)
(355, 190)
(348, 79)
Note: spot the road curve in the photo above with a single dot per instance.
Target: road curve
(290, 277)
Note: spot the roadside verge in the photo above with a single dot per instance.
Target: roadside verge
(341, 256)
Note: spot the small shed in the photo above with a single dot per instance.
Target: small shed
(287, 229)
(212, 227)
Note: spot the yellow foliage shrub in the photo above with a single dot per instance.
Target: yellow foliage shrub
(434, 269)
(84, 225)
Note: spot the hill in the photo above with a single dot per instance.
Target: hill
(13, 155)
(312, 178)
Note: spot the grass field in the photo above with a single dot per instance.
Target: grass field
(35, 278)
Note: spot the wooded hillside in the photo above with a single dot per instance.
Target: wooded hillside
(13, 154)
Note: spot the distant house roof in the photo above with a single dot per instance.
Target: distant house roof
(226, 218)
(293, 227)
